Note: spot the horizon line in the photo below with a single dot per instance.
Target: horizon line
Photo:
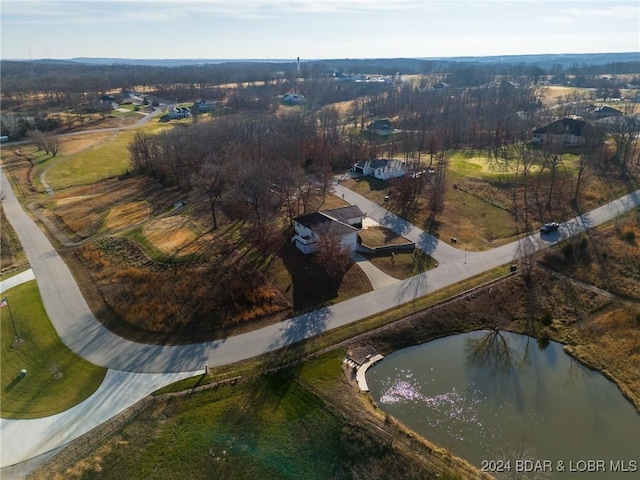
(294, 59)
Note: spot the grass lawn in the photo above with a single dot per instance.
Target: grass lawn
(369, 187)
(106, 159)
(403, 264)
(373, 237)
(271, 428)
(87, 162)
(57, 379)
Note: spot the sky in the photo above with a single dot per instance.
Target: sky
(314, 29)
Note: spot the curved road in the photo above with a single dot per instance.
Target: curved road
(132, 363)
(85, 335)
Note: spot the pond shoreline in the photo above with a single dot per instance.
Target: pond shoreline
(411, 393)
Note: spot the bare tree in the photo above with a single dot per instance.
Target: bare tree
(331, 254)
(407, 190)
(437, 185)
(552, 161)
(141, 151)
(211, 182)
(624, 131)
(52, 143)
(37, 137)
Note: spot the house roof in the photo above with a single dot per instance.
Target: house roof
(606, 110)
(380, 124)
(386, 165)
(344, 214)
(320, 222)
(569, 125)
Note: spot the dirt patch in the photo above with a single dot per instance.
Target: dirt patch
(127, 215)
(72, 200)
(117, 200)
(555, 94)
(170, 234)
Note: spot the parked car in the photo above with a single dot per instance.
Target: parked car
(549, 227)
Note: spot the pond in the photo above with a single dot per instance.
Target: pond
(511, 407)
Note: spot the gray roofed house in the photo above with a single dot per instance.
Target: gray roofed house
(604, 111)
(569, 131)
(344, 222)
(381, 127)
(179, 112)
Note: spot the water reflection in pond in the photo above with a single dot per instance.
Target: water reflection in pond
(491, 396)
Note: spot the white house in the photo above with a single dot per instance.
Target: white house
(344, 222)
(179, 112)
(381, 169)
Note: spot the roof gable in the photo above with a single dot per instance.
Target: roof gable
(344, 214)
(384, 164)
(567, 125)
(331, 221)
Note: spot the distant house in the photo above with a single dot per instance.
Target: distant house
(380, 127)
(381, 169)
(205, 105)
(344, 222)
(622, 123)
(569, 131)
(293, 98)
(179, 112)
(605, 111)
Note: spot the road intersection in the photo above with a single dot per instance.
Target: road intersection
(85, 335)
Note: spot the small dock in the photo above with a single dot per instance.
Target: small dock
(360, 360)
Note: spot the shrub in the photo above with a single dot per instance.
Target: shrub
(629, 236)
(547, 318)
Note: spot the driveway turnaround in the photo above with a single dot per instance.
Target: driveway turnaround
(25, 439)
(16, 280)
(85, 335)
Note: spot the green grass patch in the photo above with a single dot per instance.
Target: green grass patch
(403, 265)
(56, 379)
(104, 160)
(369, 187)
(148, 246)
(272, 428)
(324, 370)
